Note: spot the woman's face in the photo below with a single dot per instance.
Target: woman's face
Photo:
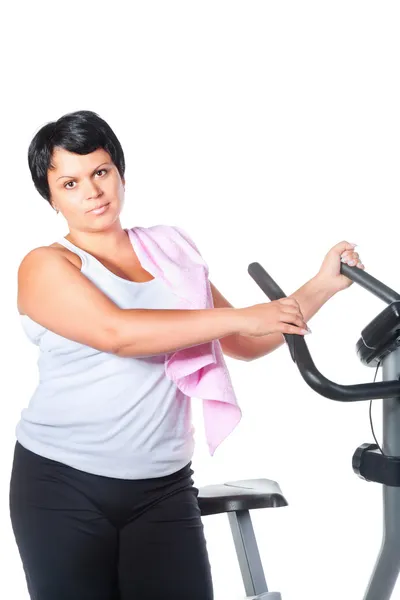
(80, 183)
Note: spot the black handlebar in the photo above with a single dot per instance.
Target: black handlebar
(301, 355)
(371, 284)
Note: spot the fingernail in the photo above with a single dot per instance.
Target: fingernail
(352, 263)
(354, 245)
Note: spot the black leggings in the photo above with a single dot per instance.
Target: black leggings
(89, 537)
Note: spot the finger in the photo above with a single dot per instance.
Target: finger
(289, 302)
(348, 254)
(291, 309)
(292, 312)
(351, 258)
(293, 305)
(343, 246)
(293, 318)
(285, 328)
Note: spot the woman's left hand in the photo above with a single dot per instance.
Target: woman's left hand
(329, 272)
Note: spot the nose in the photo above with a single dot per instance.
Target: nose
(92, 190)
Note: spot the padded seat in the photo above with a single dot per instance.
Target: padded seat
(245, 494)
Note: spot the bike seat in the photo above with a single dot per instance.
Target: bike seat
(245, 494)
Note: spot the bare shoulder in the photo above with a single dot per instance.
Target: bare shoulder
(51, 252)
(40, 261)
(40, 253)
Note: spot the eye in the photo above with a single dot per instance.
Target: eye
(68, 186)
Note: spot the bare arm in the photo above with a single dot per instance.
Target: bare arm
(54, 293)
(311, 297)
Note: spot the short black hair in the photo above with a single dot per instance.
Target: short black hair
(80, 132)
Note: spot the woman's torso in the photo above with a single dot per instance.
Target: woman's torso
(104, 414)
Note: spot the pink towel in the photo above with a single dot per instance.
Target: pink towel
(200, 371)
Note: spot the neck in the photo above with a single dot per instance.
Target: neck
(100, 243)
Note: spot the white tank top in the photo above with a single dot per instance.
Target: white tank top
(101, 413)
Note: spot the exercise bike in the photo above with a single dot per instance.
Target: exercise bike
(378, 346)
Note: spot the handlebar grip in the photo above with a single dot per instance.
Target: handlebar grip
(369, 283)
(264, 281)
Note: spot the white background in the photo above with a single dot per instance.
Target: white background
(269, 131)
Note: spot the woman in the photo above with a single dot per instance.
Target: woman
(102, 500)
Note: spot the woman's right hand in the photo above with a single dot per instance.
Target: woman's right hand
(279, 316)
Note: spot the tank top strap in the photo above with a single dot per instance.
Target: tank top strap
(81, 253)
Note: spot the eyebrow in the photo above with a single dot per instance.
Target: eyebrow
(73, 176)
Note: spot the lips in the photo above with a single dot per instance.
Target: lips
(98, 207)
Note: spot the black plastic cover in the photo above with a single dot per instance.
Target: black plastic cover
(370, 464)
(380, 337)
